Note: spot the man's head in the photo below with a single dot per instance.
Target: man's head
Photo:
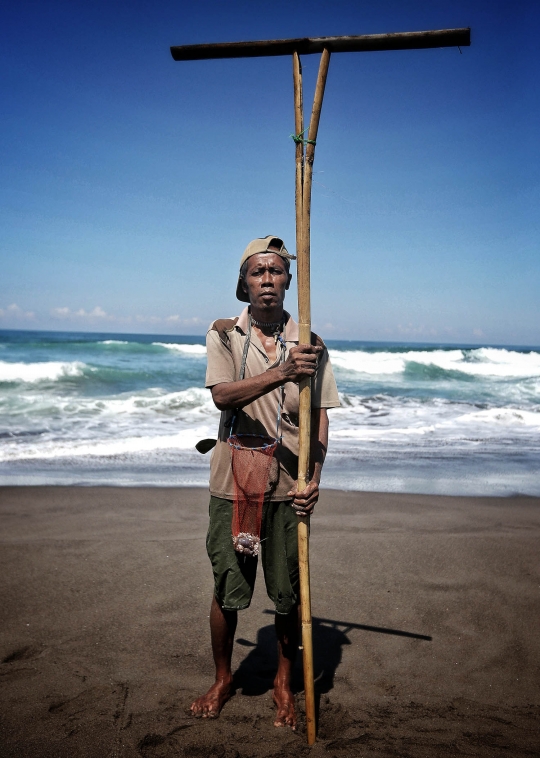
(263, 253)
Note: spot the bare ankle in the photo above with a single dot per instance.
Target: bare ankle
(282, 682)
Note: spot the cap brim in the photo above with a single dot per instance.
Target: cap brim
(240, 294)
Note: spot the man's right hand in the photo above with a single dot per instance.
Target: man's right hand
(301, 363)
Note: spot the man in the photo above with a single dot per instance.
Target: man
(260, 388)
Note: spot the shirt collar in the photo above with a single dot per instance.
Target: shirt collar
(291, 327)
(242, 322)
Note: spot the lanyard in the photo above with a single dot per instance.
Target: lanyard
(283, 348)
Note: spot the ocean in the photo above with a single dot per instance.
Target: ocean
(88, 409)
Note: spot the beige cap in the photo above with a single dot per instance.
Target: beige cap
(269, 244)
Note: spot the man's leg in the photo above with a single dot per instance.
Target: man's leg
(280, 564)
(222, 630)
(287, 636)
(234, 580)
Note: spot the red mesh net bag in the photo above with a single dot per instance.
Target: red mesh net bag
(251, 460)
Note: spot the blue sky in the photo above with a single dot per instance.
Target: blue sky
(130, 184)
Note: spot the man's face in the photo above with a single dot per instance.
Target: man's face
(266, 280)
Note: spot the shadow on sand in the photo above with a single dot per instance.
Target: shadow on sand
(255, 675)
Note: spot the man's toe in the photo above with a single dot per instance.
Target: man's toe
(195, 712)
(291, 720)
(285, 719)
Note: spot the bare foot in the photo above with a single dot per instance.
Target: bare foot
(209, 706)
(284, 699)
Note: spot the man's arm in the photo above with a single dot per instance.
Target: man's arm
(319, 443)
(305, 501)
(301, 362)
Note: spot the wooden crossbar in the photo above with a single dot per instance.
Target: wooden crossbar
(308, 45)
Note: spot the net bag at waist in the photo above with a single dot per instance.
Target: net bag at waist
(251, 459)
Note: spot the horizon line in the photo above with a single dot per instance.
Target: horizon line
(328, 339)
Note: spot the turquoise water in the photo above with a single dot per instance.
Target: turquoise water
(128, 409)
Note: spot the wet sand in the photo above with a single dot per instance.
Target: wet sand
(426, 614)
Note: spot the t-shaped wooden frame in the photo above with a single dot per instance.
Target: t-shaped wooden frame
(305, 155)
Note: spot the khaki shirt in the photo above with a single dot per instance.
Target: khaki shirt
(225, 344)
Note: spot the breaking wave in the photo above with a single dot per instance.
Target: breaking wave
(198, 350)
(31, 373)
(134, 404)
(433, 364)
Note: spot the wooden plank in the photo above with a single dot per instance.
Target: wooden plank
(308, 45)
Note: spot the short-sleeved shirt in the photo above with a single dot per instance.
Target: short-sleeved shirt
(225, 345)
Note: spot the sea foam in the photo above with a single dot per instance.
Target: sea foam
(104, 448)
(481, 362)
(196, 350)
(39, 372)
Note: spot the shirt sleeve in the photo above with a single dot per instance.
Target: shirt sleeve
(324, 388)
(220, 366)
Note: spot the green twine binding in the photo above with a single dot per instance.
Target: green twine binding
(298, 139)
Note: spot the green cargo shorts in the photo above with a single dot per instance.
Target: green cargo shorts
(234, 573)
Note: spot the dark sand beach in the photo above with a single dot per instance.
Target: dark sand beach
(426, 613)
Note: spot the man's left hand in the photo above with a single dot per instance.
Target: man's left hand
(304, 501)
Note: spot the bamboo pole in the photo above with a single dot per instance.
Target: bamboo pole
(304, 171)
(298, 128)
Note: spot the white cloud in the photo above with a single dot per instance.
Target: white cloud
(99, 315)
(60, 312)
(175, 320)
(67, 314)
(193, 321)
(478, 333)
(14, 312)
